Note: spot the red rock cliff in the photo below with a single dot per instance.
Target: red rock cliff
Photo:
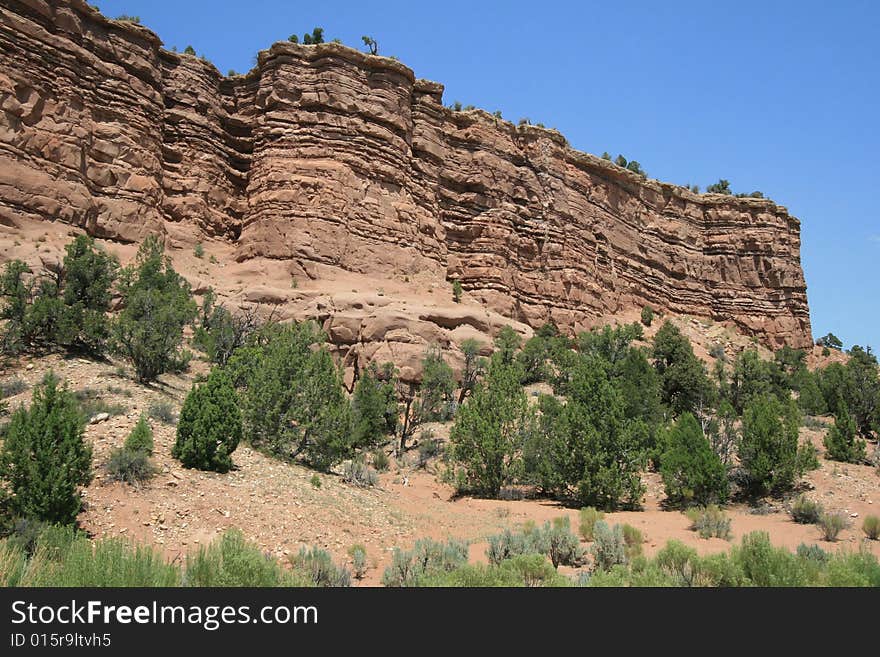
(322, 154)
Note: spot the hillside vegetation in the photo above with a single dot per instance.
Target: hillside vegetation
(584, 420)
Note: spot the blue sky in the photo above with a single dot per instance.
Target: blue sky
(780, 97)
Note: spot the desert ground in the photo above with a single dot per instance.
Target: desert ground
(278, 506)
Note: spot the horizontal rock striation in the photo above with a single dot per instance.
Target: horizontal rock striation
(326, 155)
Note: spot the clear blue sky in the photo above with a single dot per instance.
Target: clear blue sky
(780, 97)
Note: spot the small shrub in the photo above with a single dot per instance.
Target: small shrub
(529, 570)
(380, 460)
(358, 473)
(831, 524)
(807, 458)
(25, 532)
(871, 527)
(428, 557)
(73, 560)
(210, 428)
(588, 518)
(358, 554)
(180, 362)
(12, 387)
(317, 566)
(508, 544)
(131, 466)
(534, 570)
(765, 565)
(812, 422)
(199, 251)
(812, 553)
(117, 390)
(647, 315)
(141, 438)
(315, 481)
(92, 404)
(429, 447)
(563, 546)
(456, 291)
(511, 494)
(163, 412)
(709, 521)
(806, 511)
(633, 539)
(609, 546)
(233, 561)
(678, 562)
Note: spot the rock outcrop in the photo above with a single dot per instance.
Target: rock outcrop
(325, 156)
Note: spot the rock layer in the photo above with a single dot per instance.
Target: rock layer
(326, 155)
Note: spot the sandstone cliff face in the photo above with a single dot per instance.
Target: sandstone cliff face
(324, 156)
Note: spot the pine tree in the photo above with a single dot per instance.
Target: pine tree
(587, 448)
(89, 274)
(293, 401)
(158, 305)
(842, 442)
(373, 406)
(487, 438)
(507, 342)
(45, 460)
(16, 293)
(438, 385)
(474, 366)
(768, 450)
(685, 385)
(691, 470)
(209, 428)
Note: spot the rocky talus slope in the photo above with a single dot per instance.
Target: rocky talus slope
(326, 159)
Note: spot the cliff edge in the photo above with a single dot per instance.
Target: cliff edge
(328, 157)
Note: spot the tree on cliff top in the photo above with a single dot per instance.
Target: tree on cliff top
(371, 43)
(316, 37)
(831, 341)
(721, 187)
